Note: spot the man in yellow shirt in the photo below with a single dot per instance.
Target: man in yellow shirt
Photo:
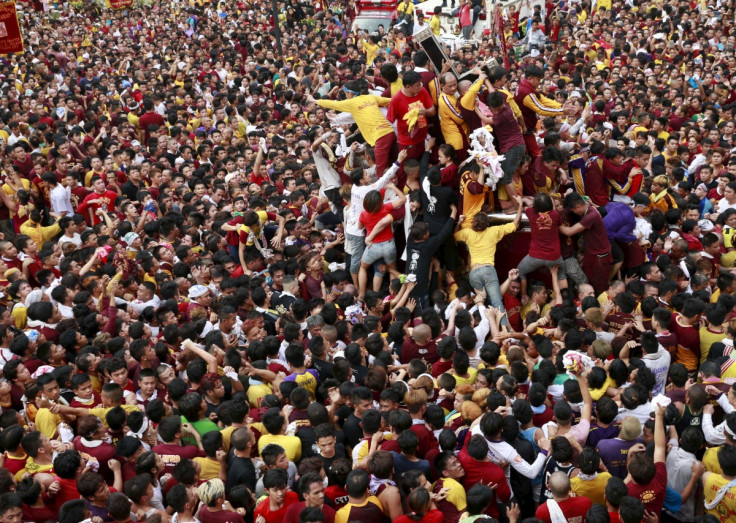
(40, 454)
(435, 22)
(719, 501)
(453, 125)
(450, 471)
(405, 13)
(365, 110)
(592, 484)
(38, 233)
(47, 421)
(370, 46)
(274, 422)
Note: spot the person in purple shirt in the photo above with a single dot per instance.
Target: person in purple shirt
(307, 378)
(605, 412)
(619, 221)
(614, 452)
(94, 491)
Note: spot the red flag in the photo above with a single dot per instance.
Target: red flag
(11, 40)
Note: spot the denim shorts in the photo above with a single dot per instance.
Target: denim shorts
(377, 251)
(355, 245)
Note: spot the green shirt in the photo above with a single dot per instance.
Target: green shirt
(202, 426)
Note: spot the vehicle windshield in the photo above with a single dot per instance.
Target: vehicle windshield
(371, 24)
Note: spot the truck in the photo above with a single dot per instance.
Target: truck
(374, 13)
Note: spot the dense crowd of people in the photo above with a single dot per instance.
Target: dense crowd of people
(259, 264)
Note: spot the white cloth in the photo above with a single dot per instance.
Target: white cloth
(328, 176)
(555, 512)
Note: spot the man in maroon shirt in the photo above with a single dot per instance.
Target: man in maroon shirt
(650, 475)
(171, 450)
(150, 117)
(479, 468)
(571, 508)
(91, 444)
(416, 403)
(685, 326)
(312, 490)
(22, 160)
(420, 346)
(597, 260)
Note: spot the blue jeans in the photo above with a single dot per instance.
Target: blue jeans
(485, 278)
(529, 264)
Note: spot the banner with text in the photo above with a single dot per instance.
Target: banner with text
(11, 41)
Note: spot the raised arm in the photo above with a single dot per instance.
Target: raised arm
(660, 437)
(587, 410)
(520, 208)
(206, 356)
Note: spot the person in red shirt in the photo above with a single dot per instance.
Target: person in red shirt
(22, 160)
(35, 509)
(544, 250)
(597, 261)
(150, 117)
(15, 458)
(649, 476)
(171, 450)
(423, 508)
(99, 199)
(478, 468)
(90, 444)
(684, 326)
(420, 346)
(379, 239)
(569, 507)
(212, 494)
(67, 468)
(273, 508)
(313, 491)
(411, 132)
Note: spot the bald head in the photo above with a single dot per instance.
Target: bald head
(585, 290)
(559, 485)
(449, 83)
(464, 86)
(421, 334)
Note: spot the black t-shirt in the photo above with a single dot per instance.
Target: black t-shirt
(352, 430)
(323, 368)
(240, 471)
(340, 452)
(521, 486)
(343, 412)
